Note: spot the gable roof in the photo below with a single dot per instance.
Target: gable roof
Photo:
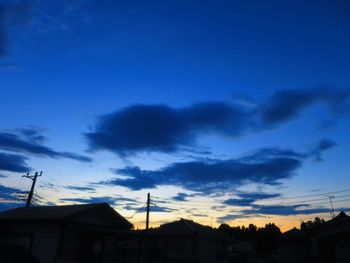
(340, 219)
(340, 223)
(189, 227)
(61, 213)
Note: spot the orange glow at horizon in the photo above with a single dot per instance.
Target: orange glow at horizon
(285, 223)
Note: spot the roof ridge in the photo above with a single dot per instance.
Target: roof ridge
(186, 221)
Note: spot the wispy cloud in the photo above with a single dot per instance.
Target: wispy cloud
(230, 217)
(288, 104)
(9, 197)
(182, 197)
(7, 192)
(248, 199)
(284, 210)
(31, 18)
(13, 163)
(12, 14)
(30, 142)
(160, 209)
(112, 200)
(81, 188)
(321, 147)
(276, 210)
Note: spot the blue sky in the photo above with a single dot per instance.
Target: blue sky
(222, 108)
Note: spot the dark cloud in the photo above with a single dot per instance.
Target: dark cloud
(8, 193)
(199, 215)
(279, 210)
(32, 134)
(161, 128)
(213, 175)
(153, 208)
(3, 38)
(9, 197)
(181, 197)
(239, 202)
(322, 146)
(31, 18)
(247, 199)
(283, 210)
(231, 217)
(258, 195)
(48, 185)
(138, 180)
(12, 14)
(112, 200)
(285, 105)
(127, 203)
(160, 209)
(26, 144)
(266, 166)
(218, 207)
(81, 188)
(271, 152)
(13, 163)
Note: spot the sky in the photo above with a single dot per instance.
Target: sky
(225, 111)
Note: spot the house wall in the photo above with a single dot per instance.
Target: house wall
(68, 246)
(201, 249)
(212, 251)
(39, 240)
(82, 246)
(178, 246)
(333, 247)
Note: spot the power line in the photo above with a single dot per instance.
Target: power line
(279, 206)
(306, 202)
(313, 200)
(137, 211)
(336, 201)
(41, 199)
(279, 198)
(311, 195)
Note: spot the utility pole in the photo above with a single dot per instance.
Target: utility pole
(147, 210)
(330, 200)
(31, 193)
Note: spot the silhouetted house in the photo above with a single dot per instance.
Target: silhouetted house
(71, 233)
(187, 241)
(332, 240)
(294, 246)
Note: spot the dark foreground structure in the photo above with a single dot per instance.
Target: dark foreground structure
(96, 233)
(72, 233)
